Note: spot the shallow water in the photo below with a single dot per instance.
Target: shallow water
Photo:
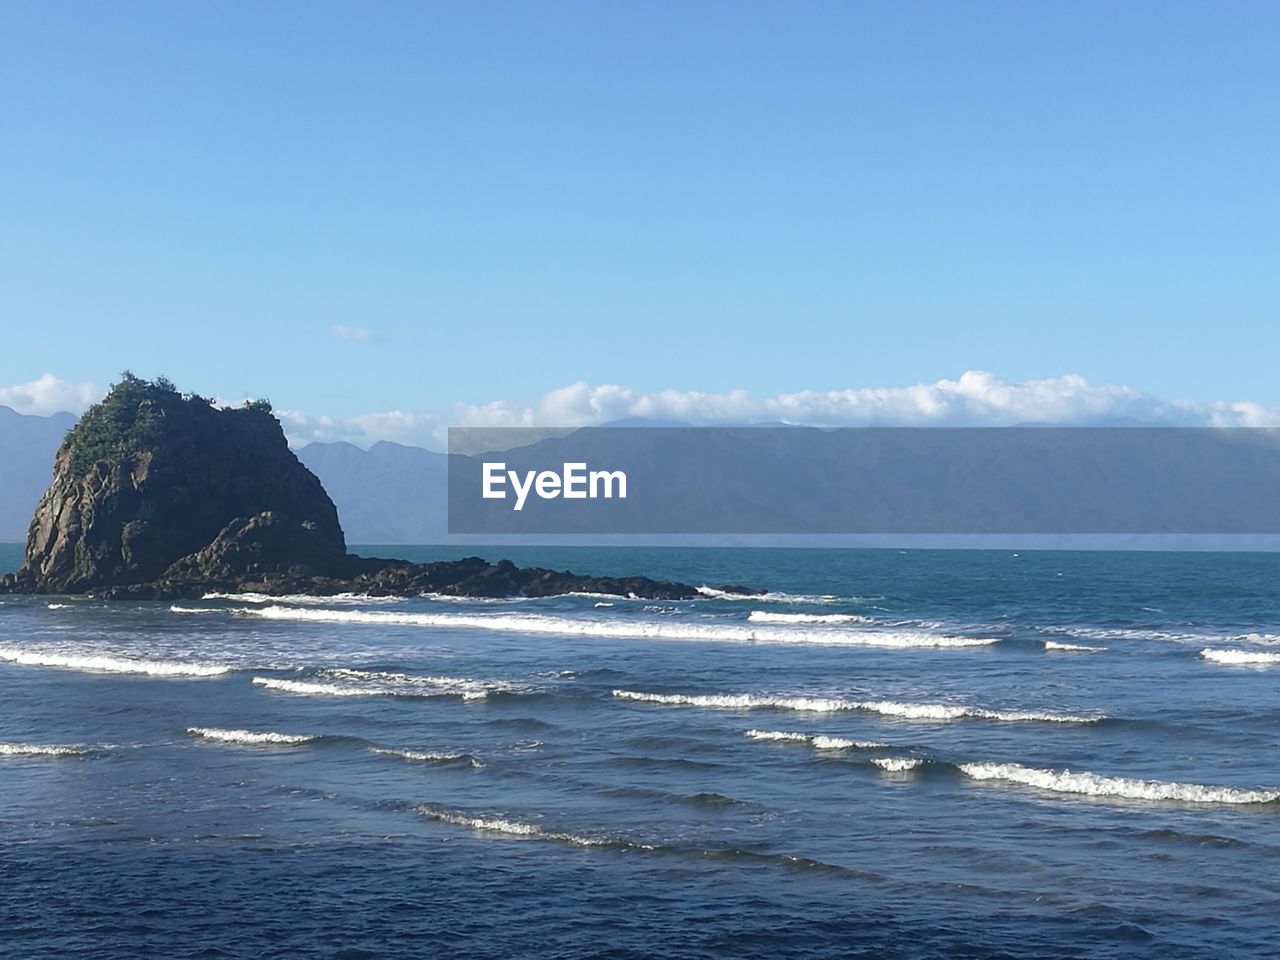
(977, 754)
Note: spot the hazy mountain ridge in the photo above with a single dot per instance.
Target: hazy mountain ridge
(390, 493)
(27, 446)
(393, 493)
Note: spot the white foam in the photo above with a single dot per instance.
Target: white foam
(817, 741)
(769, 616)
(300, 598)
(1094, 785)
(518, 828)
(423, 756)
(1257, 638)
(250, 737)
(623, 629)
(943, 711)
(1240, 657)
(890, 708)
(365, 683)
(1124, 633)
(41, 750)
(454, 598)
(57, 606)
(97, 663)
(306, 688)
(737, 701)
(174, 608)
(897, 764)
(1072, 647)
(713, 594)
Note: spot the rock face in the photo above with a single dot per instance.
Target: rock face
(158, 495)
(149, 476)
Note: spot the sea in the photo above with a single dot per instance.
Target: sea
(890, 754)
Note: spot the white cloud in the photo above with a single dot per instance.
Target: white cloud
(975, 398)
(356, 334)
(49, 394)
(417, 429)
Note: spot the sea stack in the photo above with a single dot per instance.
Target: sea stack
(150, 479)
(158, 494)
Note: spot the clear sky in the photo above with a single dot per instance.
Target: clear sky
(511, 197)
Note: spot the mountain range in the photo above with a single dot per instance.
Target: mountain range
(395, 494)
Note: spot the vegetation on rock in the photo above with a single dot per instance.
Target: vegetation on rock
(138, 415)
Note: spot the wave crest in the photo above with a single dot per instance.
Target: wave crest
(98, 663)
(534, 623)
(519, 828)
(889, 708)
(1095, 785)
(769, 616)
(423, 756)
(340, 682)
(300, 598)
(42, 750)
(817, 741)
(1240, 657)
(251, 737)
(897, 764)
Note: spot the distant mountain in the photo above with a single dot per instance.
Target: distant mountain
(27, 446)
(390, 493)
(398, 494)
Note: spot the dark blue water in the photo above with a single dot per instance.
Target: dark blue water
(249, 778)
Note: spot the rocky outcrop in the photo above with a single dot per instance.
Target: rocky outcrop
(149, 477)
(160, 495)
(238, 563)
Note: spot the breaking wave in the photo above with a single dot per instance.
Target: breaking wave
(1094, 785)
(889, 708)
(1257, 638)
(422, 756)
(42, 750)
(300, 598)
(622, 629)
(897, 764)
(251, 737)
(1123, 633)
(817, 741)
(712, 593)
(98, 663)
(339, 682)
(1072, 647)
(519, 828)
(1240, 657)
(768, 616)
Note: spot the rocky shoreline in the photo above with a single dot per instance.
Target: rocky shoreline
(194, 577)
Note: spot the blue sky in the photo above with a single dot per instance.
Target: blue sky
(513, 197)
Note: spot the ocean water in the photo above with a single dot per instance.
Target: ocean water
(893, 754)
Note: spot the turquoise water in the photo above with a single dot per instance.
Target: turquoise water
(894, 754)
